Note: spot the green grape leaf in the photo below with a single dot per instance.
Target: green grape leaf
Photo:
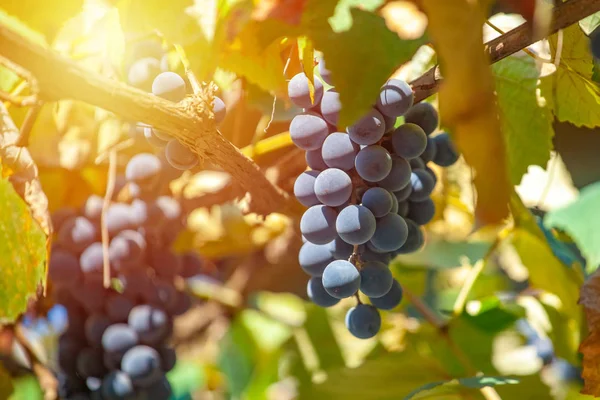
(360, 63)
(22, 254)
(318, 329)
(571, 91)
(341, 20)
(580, 220)
(526, 126)
(436, 389)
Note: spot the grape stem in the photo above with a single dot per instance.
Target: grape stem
(30, 118)
(20, 101)
(563, 15)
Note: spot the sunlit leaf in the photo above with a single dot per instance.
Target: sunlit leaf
(437, 389)
(45, 17)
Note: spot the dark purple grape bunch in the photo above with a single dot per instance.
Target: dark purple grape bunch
(367, 192)
(116, 344)
(172, 87)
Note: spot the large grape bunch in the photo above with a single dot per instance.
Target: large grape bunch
(368, 192)
(115, 346)
(151, 74)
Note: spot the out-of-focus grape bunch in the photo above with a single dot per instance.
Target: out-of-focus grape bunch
(367, 192)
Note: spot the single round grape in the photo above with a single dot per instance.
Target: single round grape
(395, 205)
(92, 259)
(403, 208)
(416, 163)
(369, 129)
(179, 156)
(314, 159)
(313, 258)
(376, 249)
(145, 214)
(333, 187)
(118, 218)
(77, 233)
(117, 307)
(143, 168)
(375, 279)
(390, 300)
(421, 212)
(318, 224)
(424, 115)
(341, 279)
(399, 176)
(159, 390)
(373, 163)
(331, 106)
(142, 364)
(391, 233)
(430, 150)
(117, 386)
(127, 248)
(89, 363)
(415, 240)
(368, 255)
(299, 92)
(92, 209)
(404, 193)
(219, 109)
(116, 341)
(93, 384)
(595, 43)
(390, 123)
(324, 72)
(446, 153)
(142, 72)
(170, 86)
(95, 325)
(150, 323)
(395, 98)
(409, 141)
(422, 185)
(378, 200)
(339, 151)
(153, 139)
(355, 224)
(64, 269)
(304, 188)
(363, 321)
(308, 130)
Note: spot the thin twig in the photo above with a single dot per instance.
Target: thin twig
(110, 188)
(461, 300)
(426, 311)
(30, 118)
(501, 32)
(46, 378)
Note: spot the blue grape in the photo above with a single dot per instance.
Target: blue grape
(341, 279)
(127, 248)
(153, 139)
(430, 150)
(404, 193)
(150, 323)
(118, 218)
(116, 341)
(145, 214)
(395, 205)
(422, 212)
(403, 208)
(93, 384)
(424, 115)
(142, 364)
(77, 233)
(143, 168)
(304, 188)
(369, 129)
(446, 153)
(308, 130)
(363, 321)
(395, 98)
(64, 269)
(416, 163)
(378, 200)
(333, 187)
(375, 279)
(355, 224)
(117, 307)
(219, 110)
(399, 176)
(340, 249)
(179, 156)
(142, 72)
(331, 106)
(339, 151)
(409, 141)
(324, 72)
(169, 86)
(422, 185)
(373, 163)
(313, 258)
(368, 255)
(595, 43)
(92, 209)
(390, 123)
(390, 300)
(168, 358)
(317, 294)
(159, 390)
(95, 325)
(415, 239)
(318, 224)
(299, 93)
(117, 386)
(88, 364)
(391, 233)
(314, 159)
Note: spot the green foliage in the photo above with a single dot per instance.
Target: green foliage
(22, 253)
(446, 388)
(580, 220)
(186, 378)
(526, 126)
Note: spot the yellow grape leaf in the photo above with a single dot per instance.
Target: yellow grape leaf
(590, 347)
(306, 52)
(467, 101)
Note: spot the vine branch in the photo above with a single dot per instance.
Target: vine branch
(563, 15)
